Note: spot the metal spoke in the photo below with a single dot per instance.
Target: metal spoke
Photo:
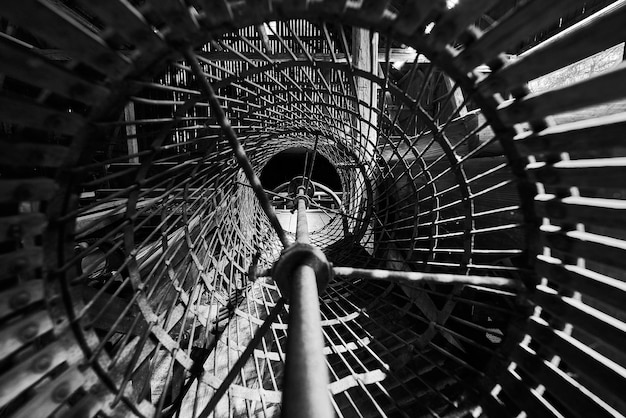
(309, 173)
(240, 154)
(407, 277)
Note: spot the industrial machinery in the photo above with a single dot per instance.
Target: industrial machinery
(353, 208)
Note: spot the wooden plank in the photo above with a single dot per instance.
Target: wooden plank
(601, 327)
(29, 371)
(20, 296)
(216, 12)
(602, 377)
(527, 400)
(27, 189)
(20, 261)
(292, 6)
(588, 211)
(372, 11)
(28, 154)
(523, 22)
(395, 55)
(597, 173)
(457, 99)
(22, 332)
(23, 63)
(180, 25)
(598, 32)
(457, 19)
(106, 310)
(592, 247)
(57, 27)
(131, 133)
(605, 87)
(455, 132)
(559, 385)
(254, 11)
(106, 214)
(494, 408)
(601, 133)
(53, 394)
(414, 15)
(25, 113)
(364, 57)
(596, 111)
(92, 404)
(24, 225)
(595, 285)
(126, 21)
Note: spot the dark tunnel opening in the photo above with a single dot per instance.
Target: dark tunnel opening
(286, 165)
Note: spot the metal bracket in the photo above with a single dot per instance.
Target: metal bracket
(296, 255)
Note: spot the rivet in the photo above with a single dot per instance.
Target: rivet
(29, 332)
(42, 363)
(20, 299)
(61, 392)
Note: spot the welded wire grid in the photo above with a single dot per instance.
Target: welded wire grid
(163, 226)
(198, 226)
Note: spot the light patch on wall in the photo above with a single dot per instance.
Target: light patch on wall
(580, 70)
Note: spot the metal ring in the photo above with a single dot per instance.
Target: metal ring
(296, 255)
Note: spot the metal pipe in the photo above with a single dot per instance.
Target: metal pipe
(308, 173)
(305, 392)
(407, 277)
(302, 226)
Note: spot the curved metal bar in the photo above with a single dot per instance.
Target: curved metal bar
(240, 153)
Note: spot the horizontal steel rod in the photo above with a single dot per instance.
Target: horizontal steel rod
(406, 277)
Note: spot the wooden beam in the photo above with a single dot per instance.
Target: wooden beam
(131, 133)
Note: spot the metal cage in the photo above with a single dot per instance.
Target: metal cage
(312, 208)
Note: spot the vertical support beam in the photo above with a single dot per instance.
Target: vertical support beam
(305, 392)
(131, 132)
(457, 98)
(265, 39)
(365, 57)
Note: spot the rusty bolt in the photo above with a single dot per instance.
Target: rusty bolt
(42, 363)
(61, 392)
(20, 299)
(29, 332)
